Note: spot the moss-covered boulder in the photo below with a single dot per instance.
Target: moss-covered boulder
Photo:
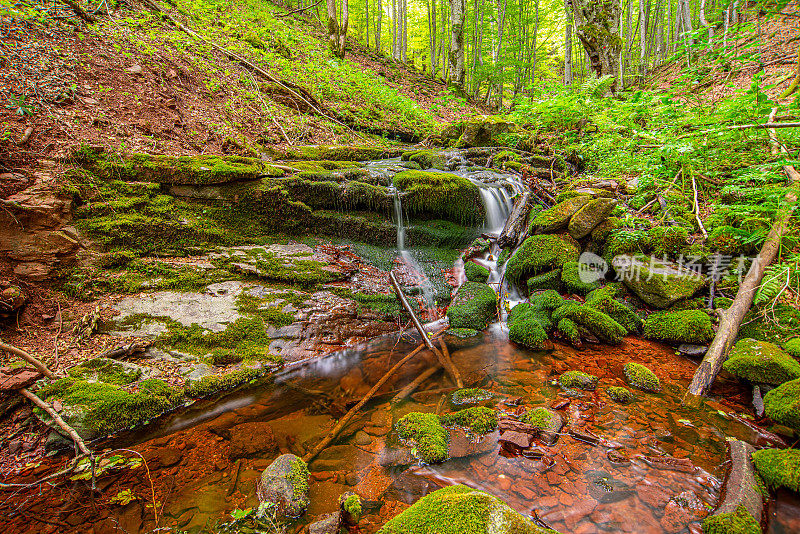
(426, 434)
(604, 300)
(541, 253)
(640, 377)
(685, 326)
(589, 216)
(285, 484)
(779, 468)
(761, 362)
(426, 159)
(570, 277)
(477, 419)
(475, 272)
(441, 195)
(668, 240)
(569, 330)
(598, 323)
(483, 131)
(578, 380)
(528, 325)
(544, 281)
(474, 306)
(620, 394)
(458, 510)
(657, 283)
(558, 217)
(782, 404)
(739, 521)
(792, 347)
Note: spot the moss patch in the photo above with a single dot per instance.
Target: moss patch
(426, 434)
(620, 394)
(541, 253)
(597, 322)
(441, 195)
(687, 326)
(471, 395)
(208, 385)
(578, 380)
(737, 522)
(537, 418)
(779, 468)
(106, 370)
(474, 306)
(548, 280)
(475, 272)
(782, 404)
(572, 281)
(604, 300)
(478, 419)
(559, 215)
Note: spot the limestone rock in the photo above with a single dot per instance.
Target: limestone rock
(657, 283)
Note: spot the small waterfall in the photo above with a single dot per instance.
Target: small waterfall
(398, 218)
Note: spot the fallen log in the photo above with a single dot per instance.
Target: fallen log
(516, 223)
(444, 360)
(28, 358)
(707, 372)
(57, 418)
(411, 387)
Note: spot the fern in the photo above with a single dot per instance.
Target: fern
(777, 278)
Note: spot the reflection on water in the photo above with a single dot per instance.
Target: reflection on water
(574, 486)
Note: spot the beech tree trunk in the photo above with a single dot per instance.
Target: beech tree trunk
(337, 32)
(456, 54)
(597, 28)
(568, 44)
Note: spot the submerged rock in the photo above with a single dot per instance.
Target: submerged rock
(252, 438)
(641, 377)
(761, 362)
(578, 380)
(656, 282)
(458, 510)
(285, 484)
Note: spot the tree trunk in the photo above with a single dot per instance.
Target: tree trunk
(533, 52)
(568, 44)
(706, 25)
(642, 40)
(343, 27)
(366, 18)
(333, 27)
(456, 55)
(597, 27)
(517, 222)
(432, 36)
(378, 19)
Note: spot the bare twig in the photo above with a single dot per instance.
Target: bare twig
(57, 418)
(76, 7)
(28, 358)
(697, 210)
(298, 10)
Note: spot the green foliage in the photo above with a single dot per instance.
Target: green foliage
(352, 505)
(779, 277)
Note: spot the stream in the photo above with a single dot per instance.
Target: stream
(205, 460)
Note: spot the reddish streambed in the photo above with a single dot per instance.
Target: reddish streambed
(198, 478)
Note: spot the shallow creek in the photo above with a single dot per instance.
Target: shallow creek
(574, 486)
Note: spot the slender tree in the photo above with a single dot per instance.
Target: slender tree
(568, 44)
(456, 54)
(337, 31)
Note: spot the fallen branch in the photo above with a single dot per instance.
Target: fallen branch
(697, 210)
(411, 387)
(515, 225)
(707, 372)
(76, 7)
(28, 358)
(67, 470)
(349, 415)
(57, 418)
(444, 360)
(26, 136)
(298, 10)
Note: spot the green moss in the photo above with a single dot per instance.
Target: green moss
(106, 370)
(297, 271)
(569, 329)
(548, 280)
(603, 300)
(668, 240)
(335, 153)
(116, 258)
(352, 505)
(478, 419)
(426, 433)
(222, 357)
(462, 333)
(441, 195)
(687, 326)
(597, 322)
(572, 281)
(208, 385)
(623, 241)
(98, 409)
(578, 380)
(559, 215)
(779, 468)
(620, 394)
(502, 258)
(782, 404)
(537, 418)
(737, 522)
(458, 510)
(547, 300)
(474, 306)
(761, 362)
(641, 377)
(604, 229)
(792, 347)
(471, 395)
(475, 272)
(298, 477)
(528, 325)
(541, 253)
(247, 337)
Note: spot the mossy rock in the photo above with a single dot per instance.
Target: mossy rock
(597, 322)
(474, 306)
(780, 323)
(441, 195)
(458, 510)
(685, 326)
(779, 468)
(570, 276)
(212, 384)
(657, 283)
(475, 272)
(471, 395)
(196, 170)
(426, 159)
(106, 370)
(558, 217)
(761, 362)
(782, 404)
(426, 433)
(285, 484)
(792, 347)
(541, 253)
(528, 325)
(484, 131)
(548, 280)
(477, 419)
(542, 419)
(640, 377)
(604, 300)
(604, 229)
(96, 409)
(578, 380)
(668, 240)
(569, 329)
(336, 153)
(739, 521)
(589, 216)
(620, 394)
